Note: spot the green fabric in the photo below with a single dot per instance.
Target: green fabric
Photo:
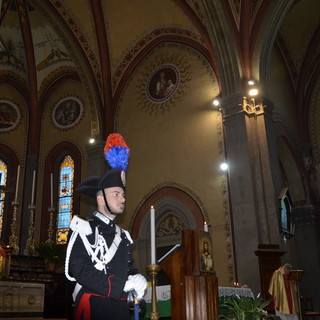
(164, 309)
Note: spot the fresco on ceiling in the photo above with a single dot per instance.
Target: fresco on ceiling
(52, 53)
(10, 53)
(9, 115)
(67, 112)
(162, 83)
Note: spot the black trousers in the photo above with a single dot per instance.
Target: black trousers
(102, 308)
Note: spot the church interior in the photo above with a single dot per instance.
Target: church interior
(217, 101)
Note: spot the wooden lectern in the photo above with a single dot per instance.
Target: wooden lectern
(194, 292)
(297, 275)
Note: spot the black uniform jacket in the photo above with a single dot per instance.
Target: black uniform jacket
(93, 281)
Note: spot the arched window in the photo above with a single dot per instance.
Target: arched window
(65, 198)
(3, 183)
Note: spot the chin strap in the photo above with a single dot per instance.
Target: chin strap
(107, 206)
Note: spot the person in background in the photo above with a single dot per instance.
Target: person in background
(284, 294)
(99, 253)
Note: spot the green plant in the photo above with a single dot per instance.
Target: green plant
(245, 308)
(49, 251)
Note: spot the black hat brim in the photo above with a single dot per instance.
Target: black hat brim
(112, 178)
(89, 186)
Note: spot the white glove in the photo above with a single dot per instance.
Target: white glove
(140, 283)
(129, 285)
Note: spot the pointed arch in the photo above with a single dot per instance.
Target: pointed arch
(177, 200)
(65, 198)
(52, 165)
(175, 210)
(3, 185)
(11, 160)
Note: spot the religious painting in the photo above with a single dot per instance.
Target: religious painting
(67, 112)
(206, 255)
(162, 83)
(9, 115)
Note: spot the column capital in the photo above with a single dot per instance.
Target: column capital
(238, 103)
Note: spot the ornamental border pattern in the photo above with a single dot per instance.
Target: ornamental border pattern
(142, 43)
(80, 37)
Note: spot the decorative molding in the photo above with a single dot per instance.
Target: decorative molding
(170, 225)
(171, 184)
(196, 7)
(225, 202)
(15, 77)
(142, 43)
(59, 5)
(52, 77)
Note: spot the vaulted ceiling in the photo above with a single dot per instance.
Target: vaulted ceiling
(99, 43)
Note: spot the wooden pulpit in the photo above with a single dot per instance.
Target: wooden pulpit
(194, 290)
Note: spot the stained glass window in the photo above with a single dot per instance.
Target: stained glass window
(3, 183)
(65, 198)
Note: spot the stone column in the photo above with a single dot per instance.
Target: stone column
(96, 166)
(251, 155)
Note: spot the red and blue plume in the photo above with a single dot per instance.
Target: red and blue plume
(116, 152)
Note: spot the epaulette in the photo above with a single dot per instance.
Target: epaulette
(80, 225)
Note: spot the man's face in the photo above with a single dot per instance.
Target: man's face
(116, 199)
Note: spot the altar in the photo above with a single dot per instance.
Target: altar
(21, 297)
(232, 291)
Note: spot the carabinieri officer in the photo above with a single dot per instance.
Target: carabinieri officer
(99, 254)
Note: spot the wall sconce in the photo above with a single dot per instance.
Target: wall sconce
(253, 92)
(91, 140)
(224, 166)
(216, 102)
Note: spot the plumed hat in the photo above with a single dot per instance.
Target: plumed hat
(116, 153)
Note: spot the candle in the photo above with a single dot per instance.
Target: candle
(33, 184)
(205, 227)
(153, 235)
(17, 184)
(51, 176)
